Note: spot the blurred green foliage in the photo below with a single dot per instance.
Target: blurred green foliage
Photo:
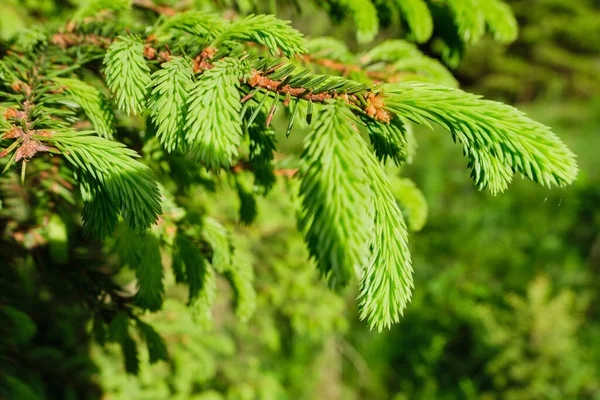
(557, 54)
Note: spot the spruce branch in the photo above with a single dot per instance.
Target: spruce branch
(275, 34)
(418, 18)
(335, 194)
(318, 89)
(496, 136)
(93, 104)
(386, 283)
(112, 167)
(127, 74)
(215, 136)
(167, 103)
(206, 83)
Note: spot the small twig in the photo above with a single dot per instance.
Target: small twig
(373, 104)
(69, 39)
(344, 69)
(149, 5)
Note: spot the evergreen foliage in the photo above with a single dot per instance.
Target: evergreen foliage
(167, 101)
(496, 146)
(127, 74)
(215, 137)
(335, 195)
(196, 101)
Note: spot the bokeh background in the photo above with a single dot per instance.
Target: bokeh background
(507, 298)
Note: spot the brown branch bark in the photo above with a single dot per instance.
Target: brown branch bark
(374, 108)
(149, 5)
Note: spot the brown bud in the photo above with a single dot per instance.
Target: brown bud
(29, 148)
(13, 133)
(165, 55)
(149, 51)
(12, 113)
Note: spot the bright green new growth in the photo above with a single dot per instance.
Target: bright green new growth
(203, 88)
(351, 219)
(496, 137)
(127, 74)
(93, 104)
(418, 18)
(215, 136)
(118, 176)
(167, 102)
(335, 195)
(274, 34)
(386, 283)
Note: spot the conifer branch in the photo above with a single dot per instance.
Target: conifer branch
(113, 169)
(386, 282)
(205, 84)
(335, 195)
(497, 137)
(214, 137)
(319, 89)
(167, 102)
(127, 74)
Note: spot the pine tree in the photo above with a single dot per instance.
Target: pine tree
(122, 117)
